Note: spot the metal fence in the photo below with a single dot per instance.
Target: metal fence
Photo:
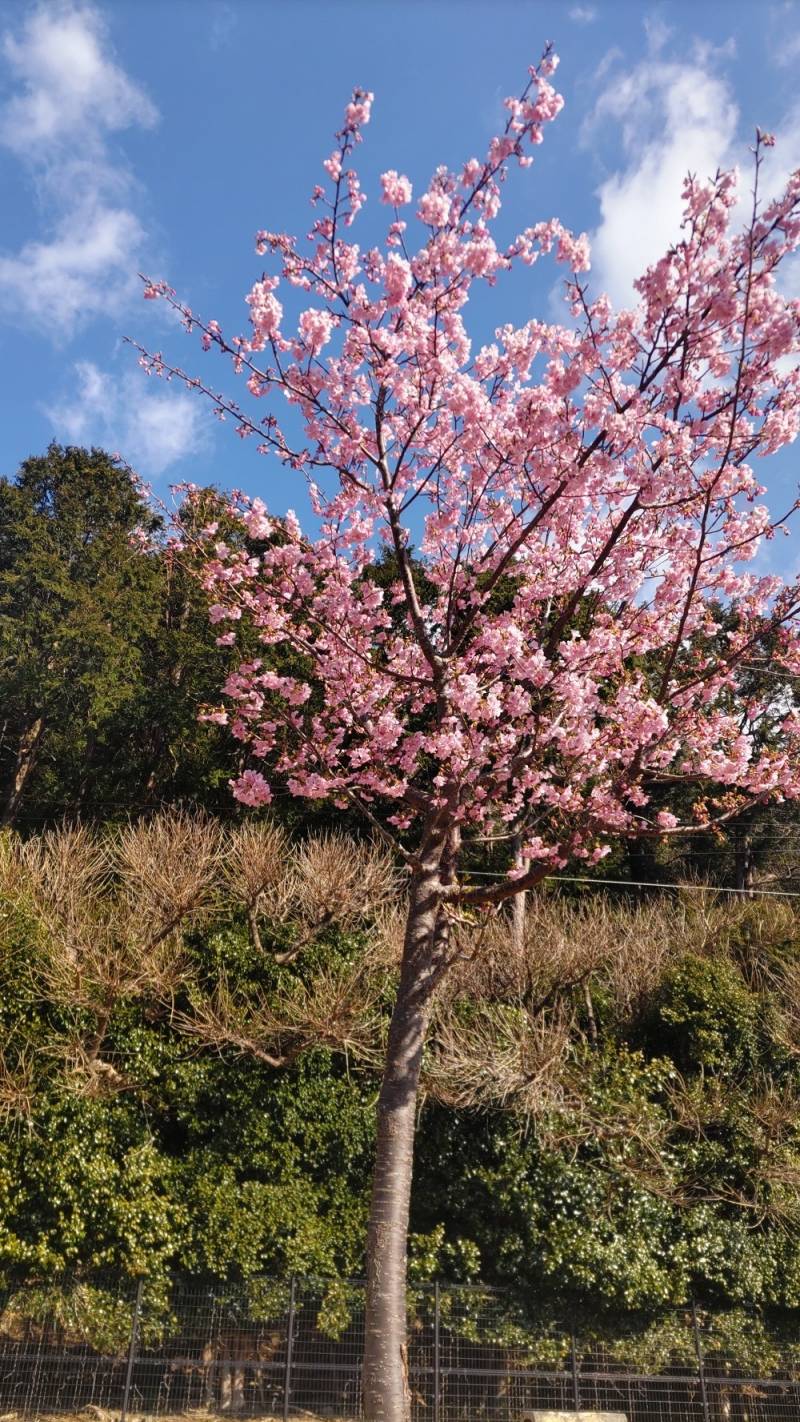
(273, 1348)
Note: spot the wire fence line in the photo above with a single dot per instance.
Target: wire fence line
(273, 1348)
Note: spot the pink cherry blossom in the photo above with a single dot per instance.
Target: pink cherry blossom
(572, 514)
(316, 327)
(597, 459)
(251, 789)
(434, 208)
(398, 279)
(396, 189)
(265, 313)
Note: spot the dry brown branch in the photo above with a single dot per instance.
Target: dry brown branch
(787, 1026)
(498, 1056)
(109, 911)
(338, 1008)
(388, 932)
(17, 1086)
(224, 1021)
(55, 877)
(324, 880)
(112, 913)
(109, 961)
(561, 947)
(90, 1076)
(340, 880)
(256, 870)
(169, 870)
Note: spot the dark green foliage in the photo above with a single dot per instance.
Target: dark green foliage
(670, 1170)
(172, 1157)
(704, 1018)
(76, 602)
(671, 1167)
(106, 652)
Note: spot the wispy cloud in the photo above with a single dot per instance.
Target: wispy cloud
(223, 25)
(82, 272)
(154, 425)
(67, 97)
(582, 14)
(672, 118)
(787, 52)
(68, 84)
(657, 31)
(783, 33)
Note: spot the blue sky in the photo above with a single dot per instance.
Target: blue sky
(159, 135)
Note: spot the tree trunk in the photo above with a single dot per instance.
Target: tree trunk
(386, 1393)
(743, 861)
(27, 751)
(519, 903)
(642, 865)
(590, 1017)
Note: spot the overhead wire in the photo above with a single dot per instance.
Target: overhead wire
(647, 884)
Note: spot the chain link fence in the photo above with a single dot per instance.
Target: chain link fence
(279, 1348)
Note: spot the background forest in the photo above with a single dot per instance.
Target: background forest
(194, 1000)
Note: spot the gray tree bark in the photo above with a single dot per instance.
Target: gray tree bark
(27, 751)
(743, 860)
(519, 903)
(386, 1392)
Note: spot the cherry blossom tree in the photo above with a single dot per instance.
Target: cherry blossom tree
(570, 510)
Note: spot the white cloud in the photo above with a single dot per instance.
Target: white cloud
(788, 51)
(583, 14)
(151, 424)
(223, 24)
(82, 272)
(68, 95)
(69, 86)
(607, 62)
(784, 158)
(657, 31)
(672, 119)
(783, 33)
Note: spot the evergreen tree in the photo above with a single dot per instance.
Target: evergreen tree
(106, 651)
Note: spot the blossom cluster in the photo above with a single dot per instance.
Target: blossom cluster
(581, 499)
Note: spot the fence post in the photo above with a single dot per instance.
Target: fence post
(576, 1387)
(287, 1381)
(137, 1308)
(437, 1356)
(701, 1365)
